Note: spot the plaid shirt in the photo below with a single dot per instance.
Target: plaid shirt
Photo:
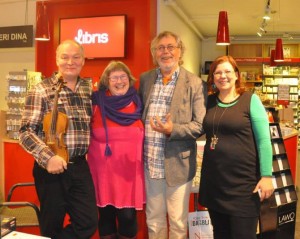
(160, 102)
(76, 105)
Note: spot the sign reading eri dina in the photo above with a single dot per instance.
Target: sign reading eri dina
(16, 36)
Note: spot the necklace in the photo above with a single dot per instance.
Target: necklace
(214, 138)
(235, 97)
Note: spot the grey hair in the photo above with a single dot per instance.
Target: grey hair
(58, 49)
(111, 67)
(166, 34)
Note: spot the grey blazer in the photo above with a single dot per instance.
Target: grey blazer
(187, 113)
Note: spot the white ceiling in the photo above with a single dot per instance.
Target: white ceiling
(244, 16)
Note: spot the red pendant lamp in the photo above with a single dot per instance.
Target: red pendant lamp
(223, 30)
(42, 24)
(272, 57)
(279, 51)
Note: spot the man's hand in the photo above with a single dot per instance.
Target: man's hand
(159, 126)
(56, 165)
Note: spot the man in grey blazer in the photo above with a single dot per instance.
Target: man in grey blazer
(174, 107)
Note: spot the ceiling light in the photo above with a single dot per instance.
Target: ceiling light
(267, 11)
(262, 29)
(279, 51)
(223, 29)
(267, 14)
(287, 36)
(259, 34)
(272, 58)
(42, 24)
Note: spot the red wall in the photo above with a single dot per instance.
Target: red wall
(140, 29)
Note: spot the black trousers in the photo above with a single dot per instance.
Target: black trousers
(231, 227)
(113, 220)
(72, 193)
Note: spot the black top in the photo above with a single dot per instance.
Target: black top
(230, 172)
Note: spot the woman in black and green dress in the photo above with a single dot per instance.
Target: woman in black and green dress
(237, 162)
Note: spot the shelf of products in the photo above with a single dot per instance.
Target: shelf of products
(19, 82)
(283, 76)
(260, 78)
(265, 81)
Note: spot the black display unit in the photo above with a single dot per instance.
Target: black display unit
(278, 213)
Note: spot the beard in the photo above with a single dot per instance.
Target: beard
(167, 67)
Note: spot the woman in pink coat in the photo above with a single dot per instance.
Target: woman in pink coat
(115, 152)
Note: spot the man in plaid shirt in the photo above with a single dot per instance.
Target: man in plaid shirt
(63, 187)
(174, 108)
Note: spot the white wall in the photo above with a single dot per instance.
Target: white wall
(169, 20)
(210, 51)
(13, 13)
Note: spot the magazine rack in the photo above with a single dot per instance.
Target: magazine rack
(278, 213)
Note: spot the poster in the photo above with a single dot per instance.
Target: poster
(200, 225)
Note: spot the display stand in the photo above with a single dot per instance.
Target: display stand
(278, 213)
(19, 83)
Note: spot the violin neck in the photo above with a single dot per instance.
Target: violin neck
(55, 110)
(54, 116)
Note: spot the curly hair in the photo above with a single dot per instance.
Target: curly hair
(111, 67)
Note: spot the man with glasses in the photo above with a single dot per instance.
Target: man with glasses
(174, 108)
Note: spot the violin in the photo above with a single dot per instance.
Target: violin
(55, 125)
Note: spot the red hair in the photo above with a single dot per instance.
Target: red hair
(210, 80)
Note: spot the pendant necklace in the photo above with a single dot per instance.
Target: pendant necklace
(214, 138)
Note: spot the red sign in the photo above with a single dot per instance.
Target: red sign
(99, 36)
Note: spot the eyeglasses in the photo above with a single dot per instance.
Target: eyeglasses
(220, 73)
(116, 78)
(162, 48)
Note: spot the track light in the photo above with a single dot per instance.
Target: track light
(267, 14)
(267, 11)
(262, 28)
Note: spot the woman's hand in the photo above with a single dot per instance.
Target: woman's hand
(264, 188)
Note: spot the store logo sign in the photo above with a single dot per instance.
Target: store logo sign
(286, 218)
(16, 36)
(88, 38)
(101, 37)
